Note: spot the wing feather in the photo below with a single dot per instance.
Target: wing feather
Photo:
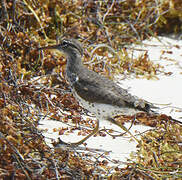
(100, 89)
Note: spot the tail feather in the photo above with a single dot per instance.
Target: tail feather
(154, 112)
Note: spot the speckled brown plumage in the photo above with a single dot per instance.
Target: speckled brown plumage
(97, 93)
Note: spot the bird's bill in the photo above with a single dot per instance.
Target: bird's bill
(49, 47)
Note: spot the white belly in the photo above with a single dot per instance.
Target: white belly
(104, 111)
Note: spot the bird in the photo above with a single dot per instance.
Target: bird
(97, 93)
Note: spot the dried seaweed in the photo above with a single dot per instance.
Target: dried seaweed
(28, 79)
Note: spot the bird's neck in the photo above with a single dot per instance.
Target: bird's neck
(73, 67)
(74, 61)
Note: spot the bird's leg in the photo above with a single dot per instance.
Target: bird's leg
(125, 131)
(95, 130)
(123, 128)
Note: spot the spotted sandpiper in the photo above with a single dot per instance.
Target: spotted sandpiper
(96, 93)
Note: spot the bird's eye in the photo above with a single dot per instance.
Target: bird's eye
(64, 43)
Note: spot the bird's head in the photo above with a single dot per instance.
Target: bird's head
(67, 46)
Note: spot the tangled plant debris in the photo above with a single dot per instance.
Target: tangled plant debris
(31, 88)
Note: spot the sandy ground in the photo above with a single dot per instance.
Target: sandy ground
(167, 90)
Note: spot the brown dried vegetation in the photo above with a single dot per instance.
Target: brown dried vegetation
(29, 79)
